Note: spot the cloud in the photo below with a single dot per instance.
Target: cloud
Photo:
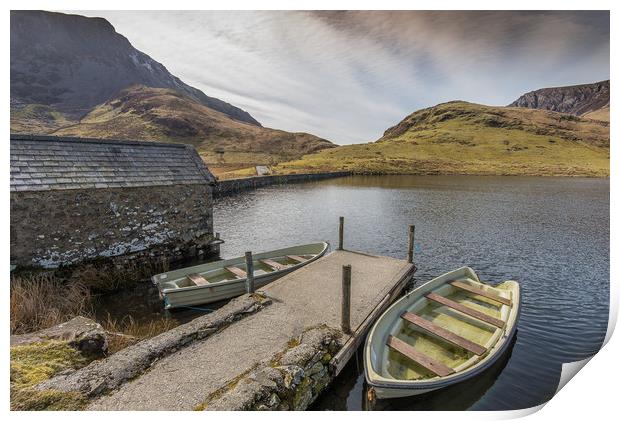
(347, 76)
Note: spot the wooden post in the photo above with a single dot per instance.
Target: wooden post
(411, 237)
(345, 322)
(249, 270)
(341, 234)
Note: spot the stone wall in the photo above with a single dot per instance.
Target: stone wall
(49, 228)
(291, 381)
(226, 187)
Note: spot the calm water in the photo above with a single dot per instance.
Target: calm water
(551, 234)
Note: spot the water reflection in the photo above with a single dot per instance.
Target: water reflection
(550, 234)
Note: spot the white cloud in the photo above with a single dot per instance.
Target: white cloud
(347, 76)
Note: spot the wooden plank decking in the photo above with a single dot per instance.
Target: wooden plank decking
(481, 292)
(303, 299)
(239, 273)
(445, 334)
(465, 310)
(296, 258)
(197, 279)
(272, 264)
(422, 359)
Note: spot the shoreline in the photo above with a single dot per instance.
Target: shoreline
(237, 185)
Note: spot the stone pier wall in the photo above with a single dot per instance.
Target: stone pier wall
(50, 228)
(226, 187)
(290, 381)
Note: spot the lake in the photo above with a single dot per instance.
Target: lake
(550, 234)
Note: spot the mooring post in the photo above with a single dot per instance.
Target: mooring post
(341, 234)
(345, 323)
(249, 270)
(411, 238)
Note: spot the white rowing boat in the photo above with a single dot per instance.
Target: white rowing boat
(225, 279)
(448, 330)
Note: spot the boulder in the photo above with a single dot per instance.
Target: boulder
(82, 333)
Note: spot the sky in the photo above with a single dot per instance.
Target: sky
(348, 76)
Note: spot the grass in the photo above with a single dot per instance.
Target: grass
(32, 364)
(125, 332)
(166, 115)
(37, 118)
(463, 138)
(41, 300)
(44, 298)
(100, 275)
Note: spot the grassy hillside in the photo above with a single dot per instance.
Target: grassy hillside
(169, 116)
(37, 119)
(600, 114)
(464, 138)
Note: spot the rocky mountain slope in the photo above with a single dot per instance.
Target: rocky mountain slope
(163, 114)
(577, 100)
(463, 138)
(76, 76)
(74, 63)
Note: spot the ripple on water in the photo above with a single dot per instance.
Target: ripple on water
(551, 234)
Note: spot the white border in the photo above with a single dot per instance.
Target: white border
(590, 395)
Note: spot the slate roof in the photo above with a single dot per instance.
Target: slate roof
(59, 163)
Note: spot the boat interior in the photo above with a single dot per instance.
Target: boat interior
(237, 271)
(446, 330)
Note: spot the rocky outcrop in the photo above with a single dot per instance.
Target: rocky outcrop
(105, 375)
(74, 62)
(83, 334)
(291, 381)
(577, 99)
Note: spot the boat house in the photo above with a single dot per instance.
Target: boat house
(75, 199)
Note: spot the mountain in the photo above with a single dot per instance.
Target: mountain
(73, 63)
(139, 112)
(464, 138)
(584, 100)
(76, 76)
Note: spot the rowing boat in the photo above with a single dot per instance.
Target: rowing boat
(448, 330)
(225, 279)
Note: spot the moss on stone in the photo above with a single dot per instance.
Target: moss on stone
(28, 399)
(34, 363)
(31, 364)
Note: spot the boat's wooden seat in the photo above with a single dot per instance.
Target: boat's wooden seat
(296, 258)
(422, 359)
(445, 334)
(197, 279)
(239, 273)
(466, 310)
(274, 265)
(481, 292)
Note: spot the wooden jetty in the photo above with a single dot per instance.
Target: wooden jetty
(345, 290)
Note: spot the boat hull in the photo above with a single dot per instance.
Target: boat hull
(388, 388)
(213, 292)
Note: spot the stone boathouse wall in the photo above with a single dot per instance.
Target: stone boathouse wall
(74, 200)
(51, 228)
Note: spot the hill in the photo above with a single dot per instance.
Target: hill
(73, 75)
(167, 115)
(464, 138)
(591, 100)
(73, 63)
(600, 114)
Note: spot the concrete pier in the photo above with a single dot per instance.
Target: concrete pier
(228, 370)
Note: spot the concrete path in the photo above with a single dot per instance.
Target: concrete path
(305, 298)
